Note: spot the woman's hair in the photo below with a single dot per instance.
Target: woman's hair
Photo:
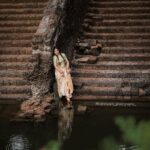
(60, 54)
(54, 50)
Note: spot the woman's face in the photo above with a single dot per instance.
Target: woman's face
(56, 51)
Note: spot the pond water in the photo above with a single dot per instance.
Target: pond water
(99, 128)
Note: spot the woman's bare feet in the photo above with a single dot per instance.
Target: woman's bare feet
(69, 103)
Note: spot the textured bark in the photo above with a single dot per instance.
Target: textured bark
(43, 42)
(59, 27)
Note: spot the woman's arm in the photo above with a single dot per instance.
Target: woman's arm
(66, 60)
(55, 64)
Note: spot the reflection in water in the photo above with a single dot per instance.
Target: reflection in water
(65, 121)
(18, 142)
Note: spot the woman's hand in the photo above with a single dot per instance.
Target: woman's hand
(61, 72)
(68, 70)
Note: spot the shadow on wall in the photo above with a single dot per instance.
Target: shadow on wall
(74, 14)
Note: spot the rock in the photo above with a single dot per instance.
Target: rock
(83, 45)
(92, 59)
(37, 116)
(37, 103)
(82, 60)
(30, 103)
(82, 109)
(21, 115)
(87, 59)
(28, 114)
(25, 107)
(39, 111)
(88, 48)
(94, 52)
(48, 99)
(141, 92)
(47, 110)
(96, 46)
(45, 105)
(92, 42)
(32, 107)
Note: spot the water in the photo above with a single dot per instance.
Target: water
(99, 128)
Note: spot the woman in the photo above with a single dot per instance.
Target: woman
(62, 74)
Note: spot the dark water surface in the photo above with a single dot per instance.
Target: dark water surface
(102, 128)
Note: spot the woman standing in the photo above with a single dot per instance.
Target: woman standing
(62, 74)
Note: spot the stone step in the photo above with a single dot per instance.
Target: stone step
(117, 10)
(15, 36)
(114, 29)
(15, 89)
(21, 11)
(116, 36)
(114, 65)
(20, 5)
(23, 1)
(88, 97)
(16, 66)
(16, 50)
(129, 51)
(103, 4)
(117, 22)
(18, 29)
(123, 66)
(120, 57)
(19, 23)
(131, 43)
(111, 1)
(118, 16)
(14, 98)
(113, 82)
(112, 73)
(146, 59)
(122, 42)
(13, 73)
(15, 43)
(15, 81)
(107, 91)
(121, 49)
(21, 17)
(15, 58)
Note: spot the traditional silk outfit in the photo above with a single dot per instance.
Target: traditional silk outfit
(64, 81)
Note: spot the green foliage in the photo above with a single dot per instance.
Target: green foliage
(53, 145)
(108, 144)
(135, 133)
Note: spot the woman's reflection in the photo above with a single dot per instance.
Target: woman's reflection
(65, 121)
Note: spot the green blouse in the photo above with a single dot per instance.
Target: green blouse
(59, 60)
